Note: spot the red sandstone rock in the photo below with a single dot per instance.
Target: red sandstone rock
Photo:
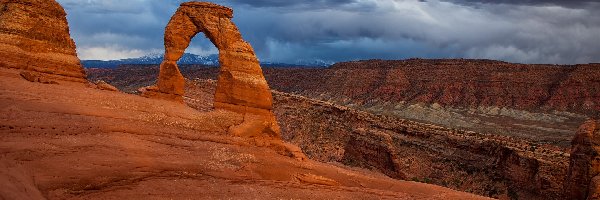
(105, 86)
(449, 82)
(594, 188)
(241, 85)
(582, 178)
(34, 36)
(241, 82)
(36, 77)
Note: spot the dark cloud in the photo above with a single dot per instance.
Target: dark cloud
(397, 30)
(564, 3)
(338, 30)
(106, 29)
(280, 3)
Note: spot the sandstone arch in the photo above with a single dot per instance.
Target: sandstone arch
(241, 85)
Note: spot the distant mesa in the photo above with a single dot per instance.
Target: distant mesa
(34, 36)
(241, 85)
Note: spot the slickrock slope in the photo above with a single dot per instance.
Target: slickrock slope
(69, 141)
(34, 36)
(582, 180)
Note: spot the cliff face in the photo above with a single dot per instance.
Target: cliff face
(544, 103)
(582, 181)
(489, 165)
(34, 36)
(453, 82)
(546, 127)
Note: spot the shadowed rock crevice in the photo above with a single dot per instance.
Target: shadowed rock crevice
(241, 85)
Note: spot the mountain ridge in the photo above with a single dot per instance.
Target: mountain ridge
(191, 59)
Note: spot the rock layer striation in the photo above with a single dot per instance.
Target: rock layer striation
(456, 83)
(241, 85)
(34, 36)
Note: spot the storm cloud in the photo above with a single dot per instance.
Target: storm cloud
(564, 3)
(543, 31)
(287, 4)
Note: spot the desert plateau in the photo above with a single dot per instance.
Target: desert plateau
(149, 99)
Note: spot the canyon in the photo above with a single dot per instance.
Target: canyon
(491, 97)
(315, 113)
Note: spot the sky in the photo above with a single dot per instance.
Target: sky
(522, 31)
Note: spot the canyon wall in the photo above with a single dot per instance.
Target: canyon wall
(450, 82)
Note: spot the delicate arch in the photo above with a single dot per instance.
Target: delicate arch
(241, 85)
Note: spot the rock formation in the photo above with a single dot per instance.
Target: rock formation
(582, 180)
(241, 85)
(103, 85)
(450, 82)
(34, 36)
(36, 77)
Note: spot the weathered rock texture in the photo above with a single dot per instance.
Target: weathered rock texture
(68, 141)
(450, 82)
(34, 36)
(582, 180)
(241, 85)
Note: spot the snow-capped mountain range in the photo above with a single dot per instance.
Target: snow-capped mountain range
(189, 59)
(153, 59)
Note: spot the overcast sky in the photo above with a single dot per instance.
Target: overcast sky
(525, 31)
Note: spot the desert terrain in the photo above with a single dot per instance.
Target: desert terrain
(63, 137)
(488, 153)
(72, 141)
(371, 129)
